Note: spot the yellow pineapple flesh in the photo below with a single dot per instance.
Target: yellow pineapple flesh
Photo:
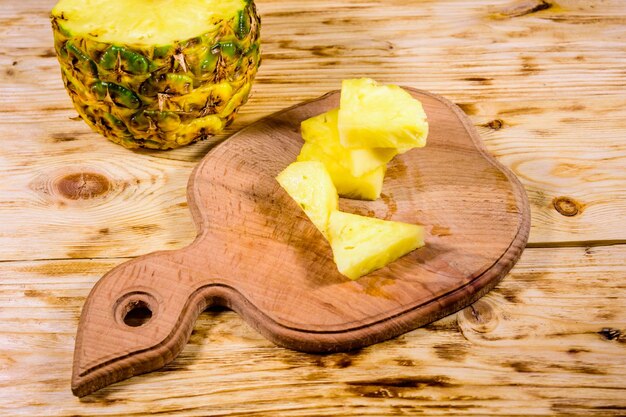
(372, 115)
(365, 187)
(364, 244)
(360, 244)
(310, 185)
(322, 131)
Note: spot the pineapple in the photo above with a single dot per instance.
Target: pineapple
(360, 244)
(157, 73)
(365, 187)
(309, 184)
(380, 116)
(322, 131)
(363, 244)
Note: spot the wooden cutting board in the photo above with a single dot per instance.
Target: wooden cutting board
(257, 253)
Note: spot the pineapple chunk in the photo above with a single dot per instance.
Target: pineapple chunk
(365, 187)
(380, 116)
(309, 184)
(322, 131)
(363, 244)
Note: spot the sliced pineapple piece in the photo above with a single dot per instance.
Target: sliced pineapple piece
(380, 116)
(366, 160)
(365, 187)
(322, 131)
(363, 244)
(310, 185)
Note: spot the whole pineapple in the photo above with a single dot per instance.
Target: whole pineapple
(157, 73)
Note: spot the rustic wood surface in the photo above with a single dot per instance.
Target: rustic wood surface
(257, 253)
(543, 82)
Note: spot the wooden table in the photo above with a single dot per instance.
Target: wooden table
(544, 83)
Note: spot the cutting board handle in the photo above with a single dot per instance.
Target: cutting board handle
(139, 317)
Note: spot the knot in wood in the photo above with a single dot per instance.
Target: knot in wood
(480, 317)
(566, 206)
(611, 334)
(521, 8)
(495, 124)
(82, 185)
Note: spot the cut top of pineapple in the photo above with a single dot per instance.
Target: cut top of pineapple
(144, 22)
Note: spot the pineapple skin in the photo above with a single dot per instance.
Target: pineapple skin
(164, 96)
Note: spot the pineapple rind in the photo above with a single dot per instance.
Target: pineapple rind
(310, 185)
(380, 116)
(364, 244)
(365, 187)
(161, 96)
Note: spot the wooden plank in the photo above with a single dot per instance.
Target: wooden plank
(571, 158)
(68, 205)
(550, 340)
(573, 161)
(570, 161)
(537, 55)
(547, 96)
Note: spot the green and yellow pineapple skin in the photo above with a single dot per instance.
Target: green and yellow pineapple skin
(160, 96)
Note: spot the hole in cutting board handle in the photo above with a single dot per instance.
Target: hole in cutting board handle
(138, 314)
(135, 309)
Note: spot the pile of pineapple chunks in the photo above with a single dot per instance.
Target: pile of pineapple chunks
(345, 154)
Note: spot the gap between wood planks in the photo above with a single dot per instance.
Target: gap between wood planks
(101, 258)
(533, 245)
(576, 244)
